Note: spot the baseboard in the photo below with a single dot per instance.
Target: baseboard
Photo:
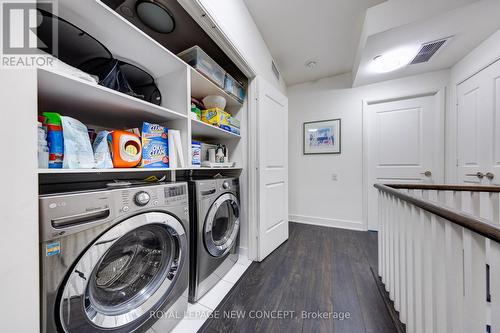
(324, 222)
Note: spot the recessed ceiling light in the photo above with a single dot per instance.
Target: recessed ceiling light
(311, 64)
(392, 60)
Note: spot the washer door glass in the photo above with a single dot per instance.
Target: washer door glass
(132, 269)
(222, 225)
(125, 274)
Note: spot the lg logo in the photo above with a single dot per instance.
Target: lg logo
(20, 21)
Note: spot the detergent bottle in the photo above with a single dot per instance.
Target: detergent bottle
(55, 139)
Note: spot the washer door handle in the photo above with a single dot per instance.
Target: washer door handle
(86, 217)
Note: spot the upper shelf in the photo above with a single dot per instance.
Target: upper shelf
(201, 87)
(124, 40)
(95, 104)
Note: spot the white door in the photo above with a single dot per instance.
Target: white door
(272, 173)
(478, 128)
(494, 164)
(404, 143)
(472, 132)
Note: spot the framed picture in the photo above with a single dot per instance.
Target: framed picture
(322, 137)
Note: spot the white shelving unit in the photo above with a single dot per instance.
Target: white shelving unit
(101, 107)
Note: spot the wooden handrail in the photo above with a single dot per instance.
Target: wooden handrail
(447, 187)
(478, 225)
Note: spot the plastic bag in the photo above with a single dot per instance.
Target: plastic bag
(102, 155)
(78, 153)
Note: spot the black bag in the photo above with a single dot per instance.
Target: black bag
(78, 49)
(124, 77)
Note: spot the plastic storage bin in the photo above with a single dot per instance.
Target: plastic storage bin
(199, 60)
(234, 88)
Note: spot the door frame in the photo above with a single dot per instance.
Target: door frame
(441, 95)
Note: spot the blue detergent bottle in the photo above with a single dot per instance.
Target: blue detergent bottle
(55, 139)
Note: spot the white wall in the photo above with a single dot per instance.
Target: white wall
(235, 20)
(314, 197)
(19, 300)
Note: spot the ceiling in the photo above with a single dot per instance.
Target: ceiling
(468, 25)
(326, 31)
(345, 35)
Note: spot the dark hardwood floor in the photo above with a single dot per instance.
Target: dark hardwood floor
(317, 269)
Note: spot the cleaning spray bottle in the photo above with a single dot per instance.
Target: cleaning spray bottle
(55, 139)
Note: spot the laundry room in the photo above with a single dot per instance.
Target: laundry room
(250, 166)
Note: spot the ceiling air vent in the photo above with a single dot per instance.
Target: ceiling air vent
(427, 50)
(275, 70)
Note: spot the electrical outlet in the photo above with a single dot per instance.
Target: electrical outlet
(335, 177)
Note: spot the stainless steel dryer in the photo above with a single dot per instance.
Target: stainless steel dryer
(215, 225)
(114, 260)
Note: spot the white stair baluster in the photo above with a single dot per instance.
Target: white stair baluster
(438, 266)
(403, 220)
(474, 271)
(495, 286)
(410, 301)
(380, 233)
(418, 251)
(392, 251)
(454, 269)
(397, 253)
(427, 269)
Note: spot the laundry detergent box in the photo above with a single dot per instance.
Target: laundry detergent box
(154, 146)
(154, 131)
(215, 116)
(231, 129)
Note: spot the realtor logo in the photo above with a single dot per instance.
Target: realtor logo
(21, 46)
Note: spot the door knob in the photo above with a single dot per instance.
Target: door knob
(490, 175)
(478, 174)
(427, 173)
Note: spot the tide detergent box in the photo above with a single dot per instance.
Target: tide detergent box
(154, 146)
(215, 116)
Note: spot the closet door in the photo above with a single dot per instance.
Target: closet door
(492, 76)
(473, 132)
(272, 156)
(478, 128)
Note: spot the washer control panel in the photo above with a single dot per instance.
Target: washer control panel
(67, 213)
(151, 196)
(142, 198)
(176, 195)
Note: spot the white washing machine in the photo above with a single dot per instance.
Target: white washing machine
(215, 226)
(114, 260)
